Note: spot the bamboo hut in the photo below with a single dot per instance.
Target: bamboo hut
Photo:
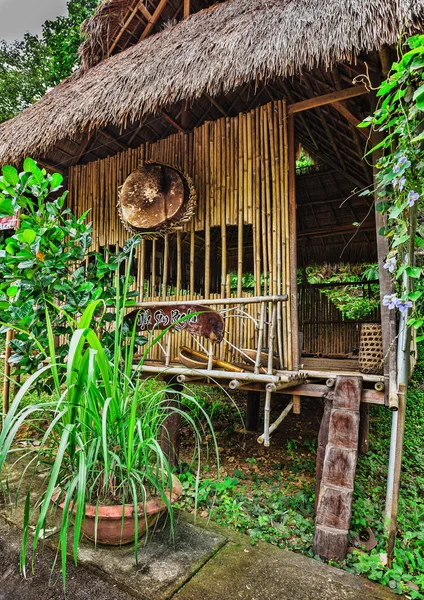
(225, 93)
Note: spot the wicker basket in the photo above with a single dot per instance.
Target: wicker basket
(371, 349)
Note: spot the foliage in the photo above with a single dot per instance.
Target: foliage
(100, 442)
(47, 261)
(28, 68)
(353, 301)
(275, 513)
(304, 161)
(280, 508)
(399, 187)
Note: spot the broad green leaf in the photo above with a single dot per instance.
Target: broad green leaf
(414, 272)
(30, 165)
(6, 208)
(56, 181)
(10, 175)
(12, 291)
(28, 235)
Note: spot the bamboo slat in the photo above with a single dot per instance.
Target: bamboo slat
(239, 166)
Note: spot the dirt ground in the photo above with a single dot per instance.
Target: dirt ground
(82, 584)
(294, 438)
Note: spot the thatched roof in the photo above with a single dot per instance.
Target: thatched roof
(212, 52)
(117, 24)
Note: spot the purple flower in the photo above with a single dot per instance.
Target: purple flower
(390, 264)
(403, 305)
(402, 162)
(390, 300)
(401, 184)
(394, 182)
(412, 197)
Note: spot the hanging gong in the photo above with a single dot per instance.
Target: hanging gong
(156, 198)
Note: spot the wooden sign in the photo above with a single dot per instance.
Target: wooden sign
(8, 222)
(204, 322)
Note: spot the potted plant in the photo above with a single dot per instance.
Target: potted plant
(106, 472)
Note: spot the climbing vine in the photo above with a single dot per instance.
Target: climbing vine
(399, 118)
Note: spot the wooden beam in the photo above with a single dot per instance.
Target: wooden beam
(155, 17)
(186, 8)
(146, 14)
(315, 102)
(350, 117)
(49, 166)
(123, 28)
(217, 105)
(173, 122)
(336, 230)
(325, 126)
(82, 149)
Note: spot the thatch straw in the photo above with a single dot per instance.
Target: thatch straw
(212, 52)
(100, 30)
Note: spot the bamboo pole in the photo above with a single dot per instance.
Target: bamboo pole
(179, 264)
(293, 321)
(207, 215)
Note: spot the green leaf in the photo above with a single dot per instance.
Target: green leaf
(418, 138)
(12, 291)
(10, 175)
(414, 272)
(400, 241)
(56, 181)
(6, 208)
(30, 166)
(28, 236)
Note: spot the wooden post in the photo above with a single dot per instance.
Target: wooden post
(6, 380)
(170, 434)
(364, 429)
(252, 410)
(296, 405)
(334, 507)
(293, 246)
(322, 444)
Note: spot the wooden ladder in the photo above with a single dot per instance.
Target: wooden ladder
(336, 465)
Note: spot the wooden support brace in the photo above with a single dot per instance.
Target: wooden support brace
(170, 434)
(296, 405)
(334, 497)
(252, 410)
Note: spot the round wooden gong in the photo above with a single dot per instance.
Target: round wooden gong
(154, 198)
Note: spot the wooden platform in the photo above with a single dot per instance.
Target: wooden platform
(313, 380)
(331, 364)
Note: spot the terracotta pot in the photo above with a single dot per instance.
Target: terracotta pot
(111, 529)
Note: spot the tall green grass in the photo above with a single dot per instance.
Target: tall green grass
(100, 444)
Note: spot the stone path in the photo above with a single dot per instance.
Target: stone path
(205, 562)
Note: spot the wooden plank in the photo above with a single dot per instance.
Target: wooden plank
(155, 17)
(205, 321)
(334, 507)
(315, 102)
(186, 8)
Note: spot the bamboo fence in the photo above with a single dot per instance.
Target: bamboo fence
(325, 330)
(239, 167)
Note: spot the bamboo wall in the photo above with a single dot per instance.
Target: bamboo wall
(324, 330)
(240, 171)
